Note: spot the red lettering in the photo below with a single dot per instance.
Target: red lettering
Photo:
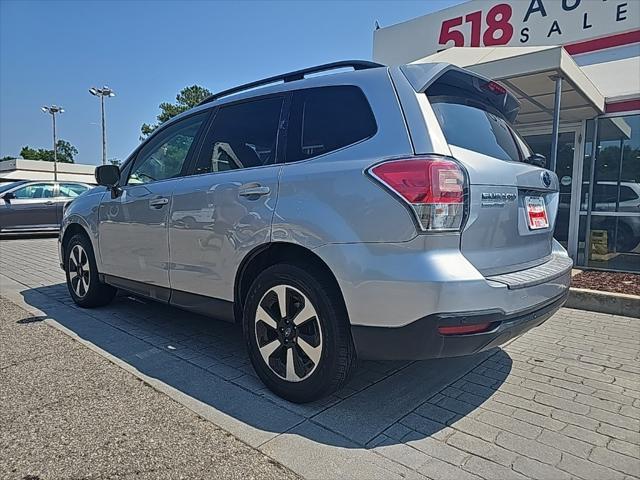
(475, 19)
(498, 19)
(446, 32)
(499, 30)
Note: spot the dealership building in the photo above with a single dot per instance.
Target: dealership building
(574, 65)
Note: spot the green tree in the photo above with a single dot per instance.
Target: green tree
(66, 153)
(188, 98)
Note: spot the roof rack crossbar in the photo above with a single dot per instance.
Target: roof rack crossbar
(292, 76)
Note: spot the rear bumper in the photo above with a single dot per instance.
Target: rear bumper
(421, 340)
(393, 285)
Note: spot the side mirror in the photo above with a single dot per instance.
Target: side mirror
(8, 196)
(538, 160)
(108, 175)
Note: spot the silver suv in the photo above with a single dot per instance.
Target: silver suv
(380, 213)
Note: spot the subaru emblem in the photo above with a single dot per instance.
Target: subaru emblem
(546, 179)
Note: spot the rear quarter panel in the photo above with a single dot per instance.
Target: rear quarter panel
(330, 199)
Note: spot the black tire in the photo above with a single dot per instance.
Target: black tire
(97, 293)
(337, 356)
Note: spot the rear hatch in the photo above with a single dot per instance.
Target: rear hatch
(512, 204)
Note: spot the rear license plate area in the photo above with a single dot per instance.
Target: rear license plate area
(536, 213)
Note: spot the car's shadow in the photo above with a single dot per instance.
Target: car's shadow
(206, 360)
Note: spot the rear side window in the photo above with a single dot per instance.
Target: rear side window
(243, 135)
(325, 119)
(471, 126)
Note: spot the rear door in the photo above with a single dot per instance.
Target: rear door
(32, 208)
(225, 209)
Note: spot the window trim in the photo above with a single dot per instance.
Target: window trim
(191, 172)
(290, 109)
(131, 162)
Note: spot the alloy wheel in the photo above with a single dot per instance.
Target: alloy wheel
(288, 333)
(79, 270)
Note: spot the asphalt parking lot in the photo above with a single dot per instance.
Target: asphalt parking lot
(562, 401)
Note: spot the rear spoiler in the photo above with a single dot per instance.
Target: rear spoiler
(444, 76)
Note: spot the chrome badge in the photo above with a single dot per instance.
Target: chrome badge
(497, 199)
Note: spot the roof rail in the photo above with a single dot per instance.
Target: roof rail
(292, 76)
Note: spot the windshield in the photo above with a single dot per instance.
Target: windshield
(7, 186)
(471, 125)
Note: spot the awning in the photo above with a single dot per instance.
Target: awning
(530, 73)
(617, 79)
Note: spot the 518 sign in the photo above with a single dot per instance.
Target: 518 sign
(497, 28)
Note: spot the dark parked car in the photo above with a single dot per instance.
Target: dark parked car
(35, 206)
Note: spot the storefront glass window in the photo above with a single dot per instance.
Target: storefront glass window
(609, 230)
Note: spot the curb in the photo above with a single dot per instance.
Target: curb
(604, 302)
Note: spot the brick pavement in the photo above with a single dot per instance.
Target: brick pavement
(562, 401)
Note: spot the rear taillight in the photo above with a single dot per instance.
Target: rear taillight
(434, 188)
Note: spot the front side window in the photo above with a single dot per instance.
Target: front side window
(165, 154)
(37, 190)
(470, 125)
(326, 119)
(72, 189)
(243, 135)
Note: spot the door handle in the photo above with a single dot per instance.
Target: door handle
(254, 190)
(48, 202)
(158, 202)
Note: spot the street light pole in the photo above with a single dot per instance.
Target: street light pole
(104, 132)
(103, 92)
(52, 110)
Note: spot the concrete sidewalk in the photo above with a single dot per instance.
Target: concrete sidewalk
(66, 412)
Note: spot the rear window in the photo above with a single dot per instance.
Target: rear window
(471, 126)
(326, 119)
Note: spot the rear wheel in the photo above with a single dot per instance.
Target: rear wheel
(297, 333)
(82, 274)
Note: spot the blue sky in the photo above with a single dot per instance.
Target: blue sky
(51, 52)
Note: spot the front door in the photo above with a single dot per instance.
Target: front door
(225, 209)
(32, 207)
(567, 151)
(133, 230)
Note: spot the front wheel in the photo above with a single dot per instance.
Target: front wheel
(83, 282)
(297, 333)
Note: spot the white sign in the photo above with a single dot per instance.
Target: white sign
(505, 22)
